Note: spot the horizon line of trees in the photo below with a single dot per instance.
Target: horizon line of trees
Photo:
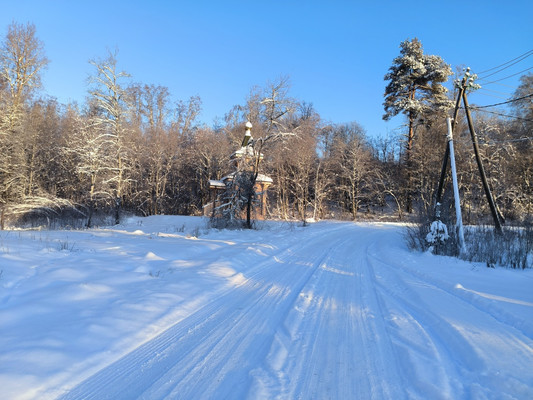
(130, 147)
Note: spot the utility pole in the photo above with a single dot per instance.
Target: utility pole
(492, 205)
(458, 217)
(462, 96)
(447, 153)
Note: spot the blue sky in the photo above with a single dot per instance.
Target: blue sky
(335, 53)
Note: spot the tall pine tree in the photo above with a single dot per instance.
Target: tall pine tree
(415, 89)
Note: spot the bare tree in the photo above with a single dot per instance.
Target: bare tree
(87, 151)
(271, 109)
(21, 62)
(110, 102)
(299, 162)
(357, 179)
(151, 110)
(207, 155)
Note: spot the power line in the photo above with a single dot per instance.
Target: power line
(500, 114)
(492, 95)
(507, 77)
(495, 91)
(506, 102)
(525, 55)
(504, 84)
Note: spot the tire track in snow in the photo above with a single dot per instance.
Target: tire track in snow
(269, 379)
(264, 325)
(214, 349)
(334, 334)
(413, 328)
(483, 305)
(313, 322)
(426, 312)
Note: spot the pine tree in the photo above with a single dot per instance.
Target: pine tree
(415, 89)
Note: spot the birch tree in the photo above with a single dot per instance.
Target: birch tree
(22, 60)
(87, 151)
(151, 110)
(110, 102)
(356, 174)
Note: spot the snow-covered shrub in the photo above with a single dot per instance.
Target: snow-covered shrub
(437, 237)
(438, 233)
(512, 249)
(438, 241)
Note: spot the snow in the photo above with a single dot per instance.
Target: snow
(438, 232)
(162, 307)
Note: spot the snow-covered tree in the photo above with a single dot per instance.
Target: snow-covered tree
(109, 100)
(357, 180)
(270, 112)
(22, 60)
(87, 153)
(415, 89)
(521, 139)
(154, 150)
(415, 85)
(523, 100)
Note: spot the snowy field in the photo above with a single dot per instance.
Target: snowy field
(162, 308)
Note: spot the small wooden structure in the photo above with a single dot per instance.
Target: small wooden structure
(240, 157)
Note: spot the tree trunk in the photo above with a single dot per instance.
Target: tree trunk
(90, 216)
(91, 201)
(249, 210)
(409, 166)
(117, 210)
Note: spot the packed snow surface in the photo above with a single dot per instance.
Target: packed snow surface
(162, 308)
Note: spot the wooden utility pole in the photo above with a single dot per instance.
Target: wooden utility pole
(447, 153)
(492, 205)
(462, 96)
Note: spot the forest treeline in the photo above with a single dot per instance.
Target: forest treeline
(131, 147)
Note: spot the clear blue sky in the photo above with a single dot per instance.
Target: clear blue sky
(335, 53)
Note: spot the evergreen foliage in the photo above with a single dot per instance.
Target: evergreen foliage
(415, 89)
(415, 83)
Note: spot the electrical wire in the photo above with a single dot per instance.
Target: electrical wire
(504, 84)
(480, 92)
(507, 77)
(500, 114)
(507, 102)
(496, 91)
(523, 56)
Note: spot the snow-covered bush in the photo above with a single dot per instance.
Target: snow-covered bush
(437, 237)
(512, 249)
(438, 233)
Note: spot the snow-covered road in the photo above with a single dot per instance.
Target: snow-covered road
(330, 311)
